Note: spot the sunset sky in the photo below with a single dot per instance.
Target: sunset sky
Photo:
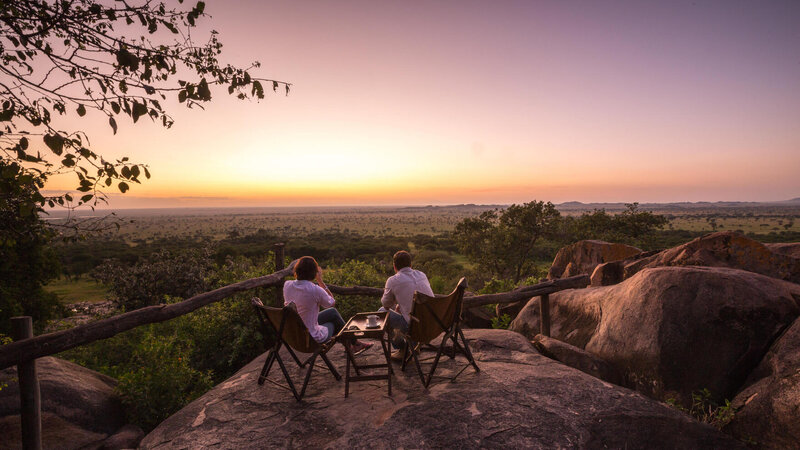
(446, 102)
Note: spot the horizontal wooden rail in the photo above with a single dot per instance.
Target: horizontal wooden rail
(52, 343)
(471, 301)
(526, 292)
(356, 290)
(59, 341)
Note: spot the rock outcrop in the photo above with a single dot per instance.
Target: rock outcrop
(79, 406)
(724, 249)
(674, 330)
(584, 256)
(789, 248)
(519, 399)
(768, 410)
(577, 358)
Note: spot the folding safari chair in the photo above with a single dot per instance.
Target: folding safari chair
(430, 317)
(290, 332)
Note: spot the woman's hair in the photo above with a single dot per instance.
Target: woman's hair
(306, 268)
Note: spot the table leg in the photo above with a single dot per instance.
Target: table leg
(350, 357)
(389, 369)
(387, 354)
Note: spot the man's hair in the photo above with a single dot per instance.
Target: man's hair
(401, 259)
(306, 268)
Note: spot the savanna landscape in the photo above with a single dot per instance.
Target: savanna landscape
(596, 204)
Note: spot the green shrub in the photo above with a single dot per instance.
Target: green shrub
(495, 286)
(177, 274)
(501, 322)
(159, 381)
(354, 273)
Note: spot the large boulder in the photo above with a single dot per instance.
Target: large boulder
(674, 330)
(724, 249)
(768, 410)
(519, 399)
(76, 402)
(584, 256)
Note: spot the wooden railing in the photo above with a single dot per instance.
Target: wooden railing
(51, 343)
(27, 348)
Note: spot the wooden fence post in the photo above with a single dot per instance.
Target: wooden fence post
(279, 264)
(29, 394)
(544, 314)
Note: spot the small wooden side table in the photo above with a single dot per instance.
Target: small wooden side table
(356, 328)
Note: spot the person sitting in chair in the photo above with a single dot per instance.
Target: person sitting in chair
(309, 298)
(398, 297)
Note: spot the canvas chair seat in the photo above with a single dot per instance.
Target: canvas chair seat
(430, 317)
(289, 331)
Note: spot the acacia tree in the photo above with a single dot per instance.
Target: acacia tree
(502, 242)
(118, 58)
(631, 226)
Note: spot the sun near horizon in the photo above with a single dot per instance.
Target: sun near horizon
(475, 102)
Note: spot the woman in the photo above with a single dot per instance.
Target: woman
(309, 297)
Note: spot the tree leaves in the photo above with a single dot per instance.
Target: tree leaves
(138, 110)
(142, 68)
(123, 187)
(55, 142)
(203, 93)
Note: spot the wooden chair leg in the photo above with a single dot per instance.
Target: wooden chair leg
(330, 367)
(405, 355)
(268, 363)
(288, 378)
(294, 356)
(467, 351)
(265, 370)
(308, 376)
(419, 369)
(436, 360)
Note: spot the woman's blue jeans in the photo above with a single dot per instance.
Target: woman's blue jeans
(332, 320)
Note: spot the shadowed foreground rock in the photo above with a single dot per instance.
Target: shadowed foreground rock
(769, 408)
(79, 408)
(520, 399)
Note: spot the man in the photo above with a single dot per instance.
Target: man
(398, 297)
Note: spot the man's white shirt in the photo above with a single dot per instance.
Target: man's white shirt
(400, 289)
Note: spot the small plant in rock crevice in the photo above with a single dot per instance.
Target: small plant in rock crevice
(705, 409)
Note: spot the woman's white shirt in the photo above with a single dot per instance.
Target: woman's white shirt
(308, 298)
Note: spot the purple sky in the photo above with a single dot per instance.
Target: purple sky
(491, 102)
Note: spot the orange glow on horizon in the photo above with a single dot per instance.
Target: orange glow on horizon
(479, 103)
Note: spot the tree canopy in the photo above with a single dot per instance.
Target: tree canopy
(502, 242)
(120, 58)
(507, 243)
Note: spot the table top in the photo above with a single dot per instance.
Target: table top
(357, 325)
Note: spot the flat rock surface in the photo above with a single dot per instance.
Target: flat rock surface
(519, 399)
